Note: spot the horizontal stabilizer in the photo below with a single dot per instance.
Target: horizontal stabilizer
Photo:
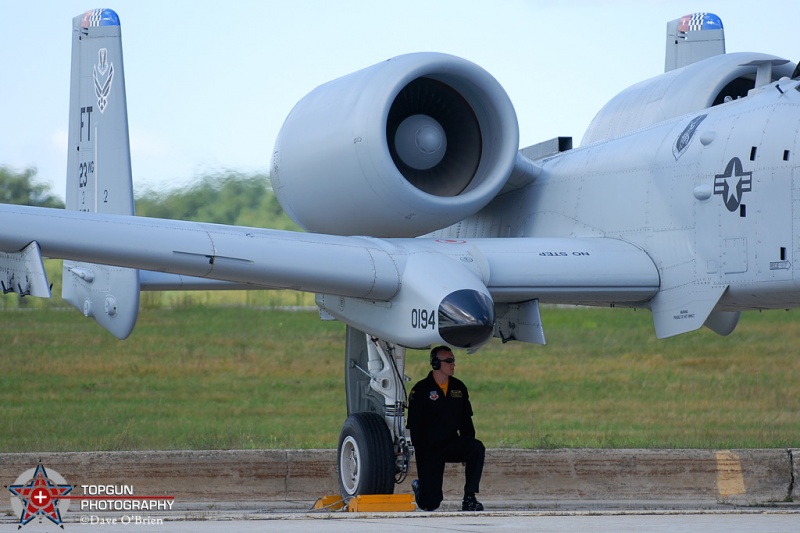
(23, 272)
(108, 294)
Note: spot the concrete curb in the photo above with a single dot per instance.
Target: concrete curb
(517, 477)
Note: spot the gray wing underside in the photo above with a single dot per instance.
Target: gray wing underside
(191, 255)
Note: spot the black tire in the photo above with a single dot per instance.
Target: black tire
(365, 456)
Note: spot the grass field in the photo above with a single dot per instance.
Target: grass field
(225, 377)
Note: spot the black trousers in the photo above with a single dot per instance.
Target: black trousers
(430, 469)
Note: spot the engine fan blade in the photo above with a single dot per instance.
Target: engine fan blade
(438, 136)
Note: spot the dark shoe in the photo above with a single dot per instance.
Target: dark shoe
(471, 504)
(415, 489)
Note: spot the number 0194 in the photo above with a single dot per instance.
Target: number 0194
(423, 319)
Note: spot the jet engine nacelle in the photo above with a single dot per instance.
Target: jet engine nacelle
(689, 89)
(399, 149)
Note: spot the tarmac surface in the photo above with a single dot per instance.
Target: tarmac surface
(773, 520)
(523, 490)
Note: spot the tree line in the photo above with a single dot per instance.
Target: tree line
(223, 198)
(21, 188)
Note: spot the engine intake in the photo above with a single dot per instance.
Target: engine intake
(399, 149)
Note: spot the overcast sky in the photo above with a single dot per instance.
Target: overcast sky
(210, 83)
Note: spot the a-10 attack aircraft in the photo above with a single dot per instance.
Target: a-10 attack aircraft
(428, 225)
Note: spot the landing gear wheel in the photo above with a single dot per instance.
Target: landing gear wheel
(366, 463)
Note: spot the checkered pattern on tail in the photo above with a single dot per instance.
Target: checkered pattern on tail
(693, 22)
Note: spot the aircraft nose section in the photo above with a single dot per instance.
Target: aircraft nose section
(466, 318)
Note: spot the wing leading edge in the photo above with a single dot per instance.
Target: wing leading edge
(268, 258)
(351, 273)
(592, 271)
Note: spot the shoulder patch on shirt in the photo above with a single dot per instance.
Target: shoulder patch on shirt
(455, 393)
(434, 395)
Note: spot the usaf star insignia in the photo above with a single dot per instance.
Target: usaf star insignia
(733, 183)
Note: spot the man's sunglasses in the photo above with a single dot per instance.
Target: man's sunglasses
(448, 360)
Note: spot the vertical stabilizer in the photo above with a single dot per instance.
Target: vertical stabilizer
(99, 166)
(692, 38)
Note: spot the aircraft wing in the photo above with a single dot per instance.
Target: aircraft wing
(373, 284)
(290, 260)
(400, 149)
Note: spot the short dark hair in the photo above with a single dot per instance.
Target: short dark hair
(436, 363)
(438, 349)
